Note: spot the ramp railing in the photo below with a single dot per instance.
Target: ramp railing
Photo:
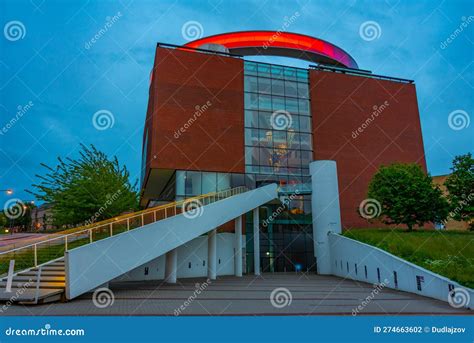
(49, 250)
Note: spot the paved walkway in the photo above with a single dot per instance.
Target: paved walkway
(310, 295)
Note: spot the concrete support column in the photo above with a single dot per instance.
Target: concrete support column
(238, 246)
(325, 209)
(212, 254)
(256, 241)
(171, 265)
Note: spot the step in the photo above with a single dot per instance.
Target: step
(28, 296)
(43, 273)
(55, 285)
(47, 278)
(49, 268)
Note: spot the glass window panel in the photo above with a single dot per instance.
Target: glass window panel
(293, 139)
(223, 181)
(302, 90)
(266, 170)
(265, 102)
(264, 85)
(280, 157)
(251, 118)
(251, 155)
(251, 137)
(290, 73)
(291, 105)
(291, 89)
(294, 158)
(265, 157)
(277, 72)
(250, 68)
(264, 120)
(180, 179)
(278, 103)
(303, 107)
(306, 158)
(279, 138)
(294, 171)
(237, 180)
(278, 87)
(302, 74)
(250, 84)
(265, 138)
(305, 141)
(252, 169)
(251, 101)
(193, 183)
(264, 70)
(209, 182)
(305, 124)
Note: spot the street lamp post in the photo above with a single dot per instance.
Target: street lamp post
(8, 191)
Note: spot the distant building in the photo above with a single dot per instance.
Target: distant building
(41, 218)
(451, 224)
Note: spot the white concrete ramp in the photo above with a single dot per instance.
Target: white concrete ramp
(95, 264)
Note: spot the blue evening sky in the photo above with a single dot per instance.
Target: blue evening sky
(49, 65)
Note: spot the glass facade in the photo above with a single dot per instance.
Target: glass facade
(278, 148)
(277, 121)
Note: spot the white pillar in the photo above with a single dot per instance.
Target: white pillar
(325, 209)
(256, 241)
(212, 254)
(171, 265)
(238, 246)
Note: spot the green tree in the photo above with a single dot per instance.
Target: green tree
(407, 196)
(460, 186)
(3, 220)
(87, 189)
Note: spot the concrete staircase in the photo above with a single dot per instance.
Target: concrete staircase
(27, 288)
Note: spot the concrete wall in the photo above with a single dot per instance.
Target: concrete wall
(192, 260)
(346, 253)
(94, 264)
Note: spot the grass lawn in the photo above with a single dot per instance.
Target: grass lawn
(448, 253)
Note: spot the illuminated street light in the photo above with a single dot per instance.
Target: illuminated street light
(8, 191)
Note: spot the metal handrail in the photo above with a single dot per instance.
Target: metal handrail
(109, 222)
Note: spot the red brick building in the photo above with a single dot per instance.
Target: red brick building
(217, 120)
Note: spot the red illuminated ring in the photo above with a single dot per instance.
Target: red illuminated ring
(275, 43)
